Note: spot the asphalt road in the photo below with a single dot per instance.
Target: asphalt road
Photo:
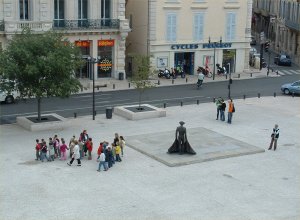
(81, 104)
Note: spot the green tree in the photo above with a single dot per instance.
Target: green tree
(140, 75)
(40, 65)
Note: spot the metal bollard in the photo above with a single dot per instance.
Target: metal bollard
(268, 73)
(158, 82)
(81, 88)
(244, 97)
(186, 80)
(128, 85)
(258, 95)
(274, 94)
(95, 113)
(239, 75)
(114, 86)
(293, 94)
(250, 74)
(181, 103)
(226, 76)
(197, 101)
(75, 115)
(98, 87)
(172, 81)
(277, 73)
(214, 99)
(165, 105)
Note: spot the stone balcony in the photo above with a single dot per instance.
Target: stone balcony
(18, 26)
(86, 24)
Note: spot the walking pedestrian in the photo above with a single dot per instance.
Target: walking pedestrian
(230, 111)
(274, 137)
(76, 155)
(44, 150)
(71, 145)
(118, 152)
(51, 150)
(63, 150)
(102, 162)
(89, 146)
(37, 149)
(218, 104)
(223, 108)
(122, 145)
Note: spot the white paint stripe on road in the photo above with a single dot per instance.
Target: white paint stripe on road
(281, 73)
(286, 72)
(295, 71)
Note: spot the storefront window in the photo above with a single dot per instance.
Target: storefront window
(84, 71)
(229, 57)
(105, 52)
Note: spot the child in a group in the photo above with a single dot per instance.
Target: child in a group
(122, 144)
(113, 151)
(51, 150)
(37, 149)
(118, 152)
(63, 150)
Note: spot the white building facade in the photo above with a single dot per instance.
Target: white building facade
(99, 27)
(191, 33)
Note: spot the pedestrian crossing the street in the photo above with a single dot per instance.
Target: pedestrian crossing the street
(288, 72)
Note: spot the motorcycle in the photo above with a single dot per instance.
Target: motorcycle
(221, 70)
(164, 73)
(205, 71)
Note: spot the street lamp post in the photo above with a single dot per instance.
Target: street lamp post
(91, 62)
(229, 81)
(214, 46)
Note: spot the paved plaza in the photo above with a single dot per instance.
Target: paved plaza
(263, 185)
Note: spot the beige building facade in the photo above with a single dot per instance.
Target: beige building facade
(98, 27)
(279, 20)
(190, 33)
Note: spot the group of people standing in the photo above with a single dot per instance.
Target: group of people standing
(221, 108)
(79, 148)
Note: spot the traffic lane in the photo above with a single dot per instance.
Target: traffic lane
(172, 95)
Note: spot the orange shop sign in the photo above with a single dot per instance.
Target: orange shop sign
(106, 43)
(84, 43)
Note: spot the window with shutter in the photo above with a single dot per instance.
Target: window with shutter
(171, 27)
(198, 26)
(230, 26)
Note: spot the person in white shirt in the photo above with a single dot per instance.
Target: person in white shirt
(102, 162)
(200, 78)
(274, 137)
(76, 155)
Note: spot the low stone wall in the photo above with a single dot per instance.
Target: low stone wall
(26, 123)
(156, 113)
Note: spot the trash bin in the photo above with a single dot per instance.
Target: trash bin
(109, 112)
(121, 76)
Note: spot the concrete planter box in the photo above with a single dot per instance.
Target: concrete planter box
(55, 123)
(149, 112)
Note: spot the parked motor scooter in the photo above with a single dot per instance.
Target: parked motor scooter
(164, 73)
(204, 71)
(220, 69)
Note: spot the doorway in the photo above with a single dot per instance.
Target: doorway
(229, 57)
(186, 61)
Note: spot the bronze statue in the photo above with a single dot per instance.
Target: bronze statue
(181, 144)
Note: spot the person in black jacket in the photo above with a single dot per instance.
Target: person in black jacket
(274, 137)
(223, 108)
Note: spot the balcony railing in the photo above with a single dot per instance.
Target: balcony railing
(18, 26)
(85, 24)
(1, 25)
(293, 25)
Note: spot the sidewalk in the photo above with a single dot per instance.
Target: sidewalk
(252, 187)
(115, 84)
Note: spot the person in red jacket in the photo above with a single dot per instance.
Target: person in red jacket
(37, 149)
(100, 150)
(89, 146)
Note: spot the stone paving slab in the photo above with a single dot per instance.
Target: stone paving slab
(209, 145)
